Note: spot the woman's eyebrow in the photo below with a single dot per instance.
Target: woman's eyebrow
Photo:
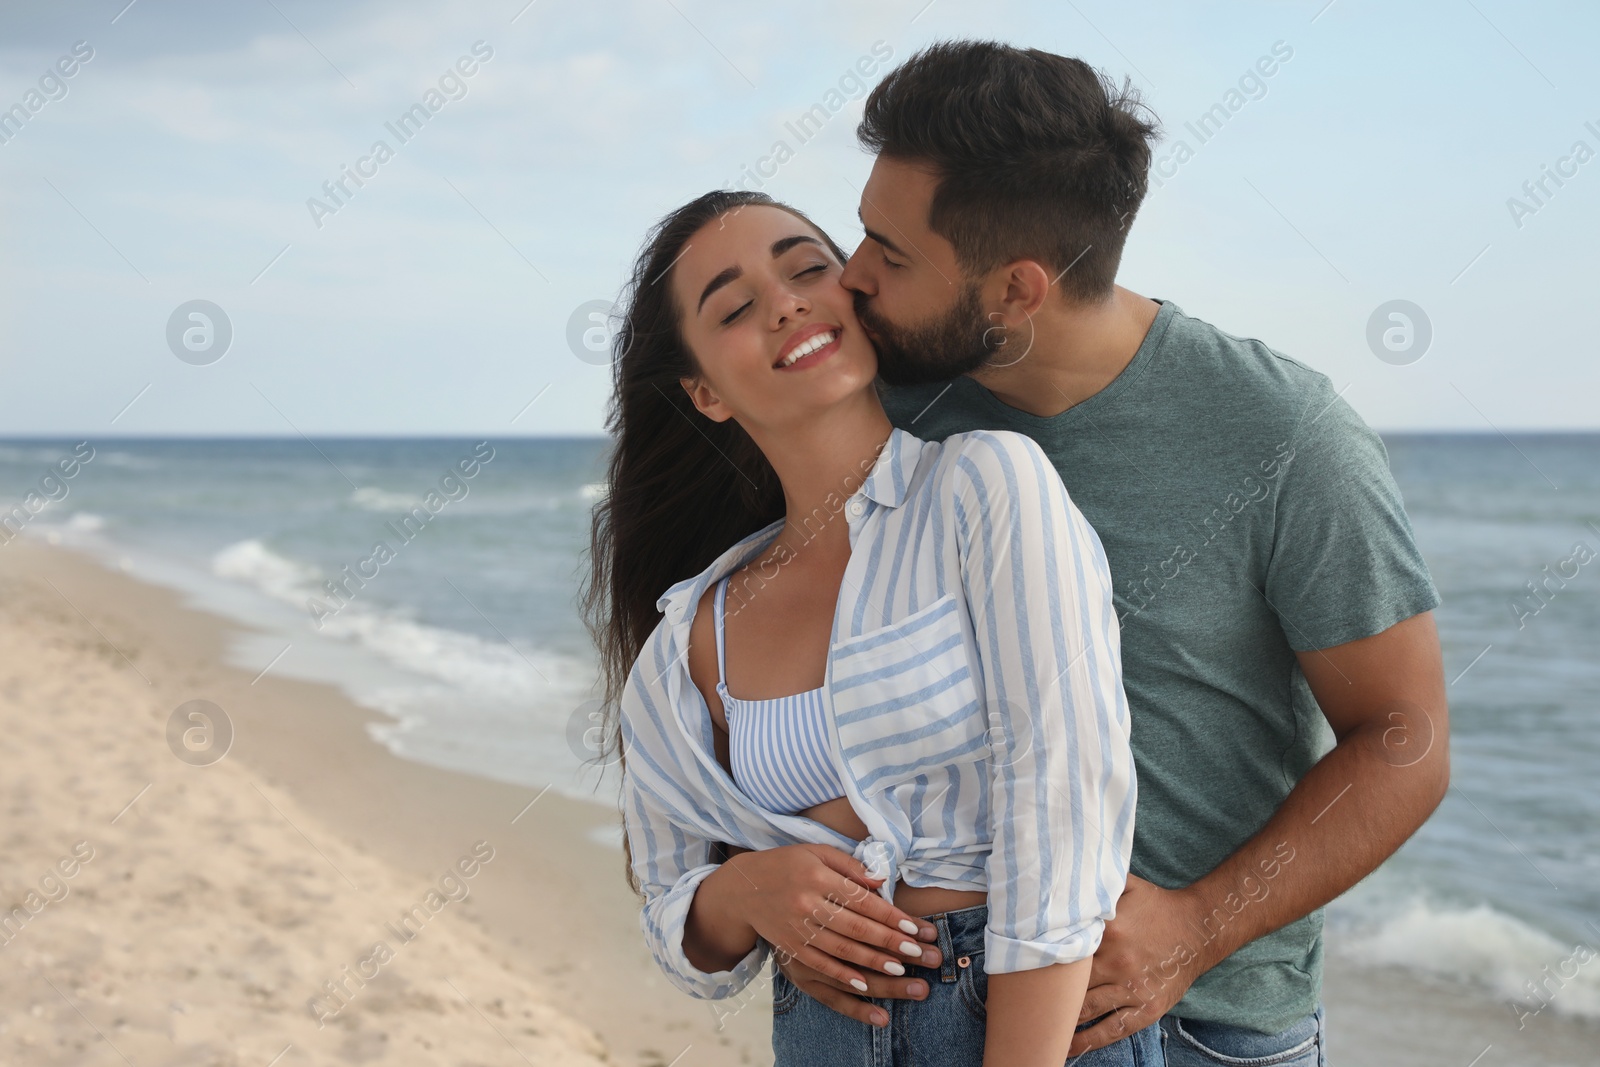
(728, 274)
(783, 244)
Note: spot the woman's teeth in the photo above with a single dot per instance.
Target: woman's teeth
(805, 348)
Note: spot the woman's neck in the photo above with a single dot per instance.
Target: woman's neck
(821, 464)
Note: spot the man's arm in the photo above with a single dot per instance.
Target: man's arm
(1384, 697)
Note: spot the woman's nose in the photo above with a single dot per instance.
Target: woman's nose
(788, 305)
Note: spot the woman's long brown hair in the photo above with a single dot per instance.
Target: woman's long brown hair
(681, 488)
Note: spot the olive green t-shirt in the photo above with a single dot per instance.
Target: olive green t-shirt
(1247, 513)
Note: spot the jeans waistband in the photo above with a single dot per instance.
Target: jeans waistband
(960, 939)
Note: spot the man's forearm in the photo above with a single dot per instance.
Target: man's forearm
(1345, 817)
(1384, 697)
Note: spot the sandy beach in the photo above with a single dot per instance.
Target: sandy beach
(310, 898)
(208, 905)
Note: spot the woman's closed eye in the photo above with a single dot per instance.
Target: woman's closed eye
(736, 312)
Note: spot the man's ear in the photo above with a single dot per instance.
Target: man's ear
(705, 400)
(1023, 286)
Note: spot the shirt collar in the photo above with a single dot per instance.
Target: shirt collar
(887, 484)
(890, 478)
(676, 601)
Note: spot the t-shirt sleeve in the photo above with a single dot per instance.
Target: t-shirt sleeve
(1345, 563)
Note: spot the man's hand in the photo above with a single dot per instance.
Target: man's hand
(832, 993)
(1384, 697)
(1145, 964)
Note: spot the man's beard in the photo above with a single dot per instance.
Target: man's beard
(950, 346)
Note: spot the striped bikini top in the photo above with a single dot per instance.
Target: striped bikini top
(778, 747)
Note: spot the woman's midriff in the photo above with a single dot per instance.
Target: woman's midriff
(918, 900)
(922, 900)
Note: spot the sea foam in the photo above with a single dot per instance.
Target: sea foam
(465, 661)
(1482, 946)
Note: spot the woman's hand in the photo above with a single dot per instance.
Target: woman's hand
(815, 904)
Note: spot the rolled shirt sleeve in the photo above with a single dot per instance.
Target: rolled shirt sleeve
(668, 858)
(1062, 787)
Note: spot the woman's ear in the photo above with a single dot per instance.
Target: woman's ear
(705, 400)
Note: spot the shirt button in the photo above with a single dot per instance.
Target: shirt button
(855, 508)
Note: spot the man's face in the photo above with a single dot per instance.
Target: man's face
(925, 317)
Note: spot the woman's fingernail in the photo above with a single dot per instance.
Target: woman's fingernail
(879, 1019)
(909, 927)
(911, 948)
(859, 984)
(894, 967)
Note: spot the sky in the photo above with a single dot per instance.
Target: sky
(185, 159)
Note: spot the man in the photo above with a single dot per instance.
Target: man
(1267, 581)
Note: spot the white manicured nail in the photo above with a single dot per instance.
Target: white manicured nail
(894, 967)
(911, 948)
(859, 984)
(908, 926)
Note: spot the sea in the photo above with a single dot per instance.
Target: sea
(465, 632)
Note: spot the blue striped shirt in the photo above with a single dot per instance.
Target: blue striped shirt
(977, 712)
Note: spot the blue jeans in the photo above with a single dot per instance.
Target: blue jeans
(945, 1029)
(1197, 1044)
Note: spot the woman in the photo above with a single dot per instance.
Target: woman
(896, 696)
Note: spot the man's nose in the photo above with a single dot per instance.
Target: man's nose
(855, 276)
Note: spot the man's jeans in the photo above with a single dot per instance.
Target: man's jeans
(1186, 1043)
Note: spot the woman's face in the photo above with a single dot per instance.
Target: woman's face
(773, 331)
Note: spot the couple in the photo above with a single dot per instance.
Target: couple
(915, 561)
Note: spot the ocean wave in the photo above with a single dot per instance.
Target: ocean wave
(1485, 947)
(128, 460)
(371, 499)
(79, 529)
(531, 501)
(466, 662)
(253, 563)
(13, 454)
(48, 456)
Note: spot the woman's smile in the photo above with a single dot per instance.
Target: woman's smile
(808, 346)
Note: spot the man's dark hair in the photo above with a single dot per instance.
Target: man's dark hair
(1038, 156)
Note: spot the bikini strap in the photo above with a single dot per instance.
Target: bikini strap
(720, 615)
